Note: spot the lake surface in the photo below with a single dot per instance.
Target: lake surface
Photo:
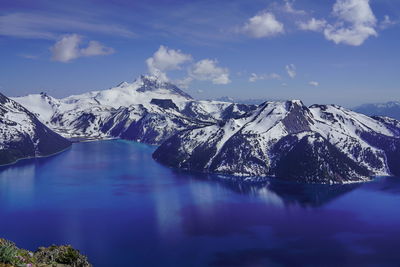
(110, 200)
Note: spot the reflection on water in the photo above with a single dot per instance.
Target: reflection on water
(281, 193)
(113, 202)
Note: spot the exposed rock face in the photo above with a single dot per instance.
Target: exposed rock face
(164, 103)
(317, 144)
(22, 135)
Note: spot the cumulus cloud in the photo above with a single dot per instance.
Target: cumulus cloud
(69, 48)
(355, 22)
(165, 59)
(263, 25)
(316, 25)
(314, 83)
(207, 70)
(272, 76)
(291, 70)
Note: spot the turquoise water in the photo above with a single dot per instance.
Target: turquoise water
(110, 200)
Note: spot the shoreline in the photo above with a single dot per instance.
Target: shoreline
(219, 176)
(36, 157)
(88, 139)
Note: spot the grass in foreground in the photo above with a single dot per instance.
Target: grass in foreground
(57, 256)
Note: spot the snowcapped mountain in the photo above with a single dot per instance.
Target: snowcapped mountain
(22, 135)
(147, 110)
(388, 109)
(317, 144)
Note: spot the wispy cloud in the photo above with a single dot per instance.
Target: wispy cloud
(291, 70)
(288, 8)
(387, 22)
(27, 56)
(256, 77)
(39, 26)
(313, 83)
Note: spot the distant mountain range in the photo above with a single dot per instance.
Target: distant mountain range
(388, 109)
(22, 135)
(285, 139)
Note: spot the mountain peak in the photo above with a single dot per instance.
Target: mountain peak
(152, 83)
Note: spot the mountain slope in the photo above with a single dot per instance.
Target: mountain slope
(22, 135)
(320, 144)
(147, 110)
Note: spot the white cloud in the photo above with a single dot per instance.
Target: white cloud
(165, 59)
(288, 8)
(291, 70)
(387, 22)
(207, 70)
(272, 76)
(263, 25)
(26, 25)
(314, 83)
(96, 49)
(313, 24)
(355, 22)
(68, 48)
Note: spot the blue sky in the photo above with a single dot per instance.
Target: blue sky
(331, 51)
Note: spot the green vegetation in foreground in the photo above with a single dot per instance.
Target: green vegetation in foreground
(53, 256)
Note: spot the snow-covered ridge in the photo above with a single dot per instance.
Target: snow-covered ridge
(129, 110)
(321, 143)
(23, 135)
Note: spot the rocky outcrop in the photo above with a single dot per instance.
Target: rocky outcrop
(60, 256)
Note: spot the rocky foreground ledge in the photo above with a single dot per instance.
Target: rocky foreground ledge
(53, 256)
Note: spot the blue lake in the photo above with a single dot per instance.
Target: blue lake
(115, 204)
